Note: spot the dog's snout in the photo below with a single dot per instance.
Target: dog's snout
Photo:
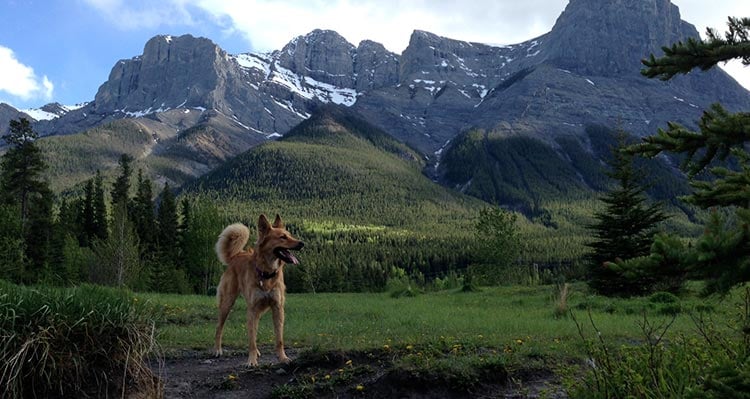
(300, 245)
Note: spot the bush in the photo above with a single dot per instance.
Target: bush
(72, 342)
(403, 286)
(713, 364)
(663, 297)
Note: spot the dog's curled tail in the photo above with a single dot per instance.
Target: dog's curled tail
(232, 241)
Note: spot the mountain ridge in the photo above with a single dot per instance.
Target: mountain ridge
(550, 88)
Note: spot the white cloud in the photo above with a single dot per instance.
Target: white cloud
(133, 15)
(20, 81)
(269, 24)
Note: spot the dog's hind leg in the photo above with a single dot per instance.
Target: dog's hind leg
(226, 294)
(278, 329)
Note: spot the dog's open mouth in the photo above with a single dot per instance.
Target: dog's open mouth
(286, 255)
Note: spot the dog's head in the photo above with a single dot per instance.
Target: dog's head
(277, 240)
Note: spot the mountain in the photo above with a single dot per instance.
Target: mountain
(357, 197)
(337, 166)
(264, 93)
(542, 96)
(527, 174)
(158, 145)
(8, 113)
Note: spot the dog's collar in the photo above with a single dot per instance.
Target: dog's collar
(265, 275)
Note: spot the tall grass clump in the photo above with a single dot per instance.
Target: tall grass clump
(712, 364)
(75, 342)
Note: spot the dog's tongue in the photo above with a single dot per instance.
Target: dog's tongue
(293, 258)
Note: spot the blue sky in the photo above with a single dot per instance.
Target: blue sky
(62, 50)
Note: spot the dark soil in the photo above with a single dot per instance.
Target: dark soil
(195, 374)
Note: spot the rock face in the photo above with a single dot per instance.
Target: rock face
(609, 38)
(182, 68)
(584, 72)
(264, 93)
(8, 113)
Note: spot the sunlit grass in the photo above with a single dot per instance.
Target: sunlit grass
(512, 319)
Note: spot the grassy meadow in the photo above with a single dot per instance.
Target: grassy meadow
(510, 319)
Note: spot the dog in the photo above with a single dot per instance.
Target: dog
(258, 275)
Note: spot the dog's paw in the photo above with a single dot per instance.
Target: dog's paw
(284, 359)
(218, 352)
(252, 362)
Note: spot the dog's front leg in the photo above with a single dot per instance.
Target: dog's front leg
(278, 329)
(252, 331)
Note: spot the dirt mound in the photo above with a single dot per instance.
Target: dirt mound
(194, 374)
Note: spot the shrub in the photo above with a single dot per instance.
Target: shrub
(64, 342)
(663, 297)
(711, 365)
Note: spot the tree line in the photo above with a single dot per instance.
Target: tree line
(121, 235)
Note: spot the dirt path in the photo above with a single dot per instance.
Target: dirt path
(194, 374)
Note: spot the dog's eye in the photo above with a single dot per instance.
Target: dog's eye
(283, 237)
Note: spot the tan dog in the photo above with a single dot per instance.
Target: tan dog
(258, 274)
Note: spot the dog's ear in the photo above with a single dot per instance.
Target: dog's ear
(278, 223)
(263, 226)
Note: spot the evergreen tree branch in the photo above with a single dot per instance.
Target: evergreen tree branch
(720, 132)
(704, 54)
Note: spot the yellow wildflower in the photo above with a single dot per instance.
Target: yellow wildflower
(360, 388)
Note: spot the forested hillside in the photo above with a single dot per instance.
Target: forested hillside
(355, 195)
(528, 174)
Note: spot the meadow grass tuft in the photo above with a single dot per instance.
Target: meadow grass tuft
(86, 340)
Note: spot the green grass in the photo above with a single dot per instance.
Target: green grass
(64, 342)
(519, 320)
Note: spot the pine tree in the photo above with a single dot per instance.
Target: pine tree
(93, 216)
(167, 277)
(624, 229)
(21, 183)
(167, 225)
(143, 215)
(722, 136)
(22, 167)
(99, 208)
(121, 187)
(11, 244)
(88, 223)
(182, 232)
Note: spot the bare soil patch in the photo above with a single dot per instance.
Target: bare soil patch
(197, 374)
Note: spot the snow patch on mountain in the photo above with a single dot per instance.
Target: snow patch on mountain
(302, 85)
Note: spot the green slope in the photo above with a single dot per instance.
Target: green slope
(535, 177)
(355, 195)
(164, 151)
(337, 167)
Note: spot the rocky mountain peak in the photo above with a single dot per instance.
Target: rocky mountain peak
(375, 66)
(172, 71)
(610, 37)
(324, 55)
(55, 108)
